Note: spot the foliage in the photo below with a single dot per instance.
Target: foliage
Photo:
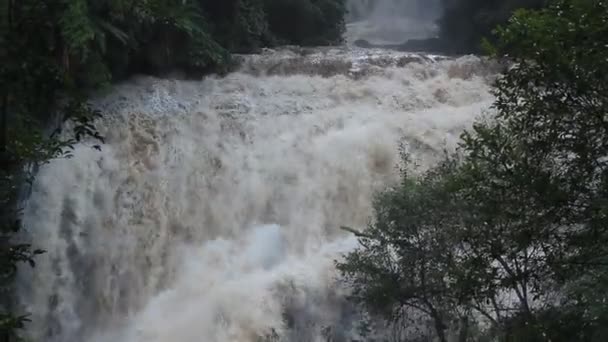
(406, 254)
(512, 231)
(305, 22)
(97, 41)
(36, 82)
(465, 22)
(239, 25)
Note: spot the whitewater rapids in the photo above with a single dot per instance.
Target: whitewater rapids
(212, 212)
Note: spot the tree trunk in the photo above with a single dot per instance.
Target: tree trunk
(4, 125)
(463, 334)
(439, 325)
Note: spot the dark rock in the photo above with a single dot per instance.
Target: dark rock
(430, 45)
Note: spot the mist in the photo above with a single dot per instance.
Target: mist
(392, 21)
(378, 9)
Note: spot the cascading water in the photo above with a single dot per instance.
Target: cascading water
(212, 212)
(392, 21)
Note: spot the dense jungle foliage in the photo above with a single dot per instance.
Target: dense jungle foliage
(507, 239)
(464, 23)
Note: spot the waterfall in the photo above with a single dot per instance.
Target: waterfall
(392, 21)
(212, 212)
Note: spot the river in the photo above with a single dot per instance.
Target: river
(212, 212)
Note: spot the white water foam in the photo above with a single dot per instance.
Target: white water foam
(213, 211)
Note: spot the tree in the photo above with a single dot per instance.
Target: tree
(464, 23)
(522, 218)
(552, 104)
(305, 22)
(406, 263)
